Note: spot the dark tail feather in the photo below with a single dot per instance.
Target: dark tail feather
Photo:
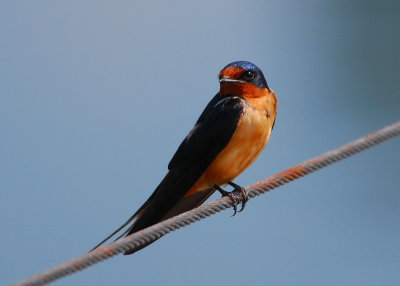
(134, 216)
(183, 205)
(166, 201)
(115, 232)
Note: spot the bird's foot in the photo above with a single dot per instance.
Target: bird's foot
(242, 192)
(234, 197)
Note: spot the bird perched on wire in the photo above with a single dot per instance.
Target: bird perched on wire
(229, 135)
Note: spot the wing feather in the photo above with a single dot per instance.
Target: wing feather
(210, 135)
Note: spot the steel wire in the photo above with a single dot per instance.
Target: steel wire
(156, 231)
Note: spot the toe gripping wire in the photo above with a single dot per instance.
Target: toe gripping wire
(156, 231)
(238, 195)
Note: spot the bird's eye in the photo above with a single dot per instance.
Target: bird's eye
(248, 75)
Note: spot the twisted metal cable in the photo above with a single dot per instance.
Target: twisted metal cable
(156, 231)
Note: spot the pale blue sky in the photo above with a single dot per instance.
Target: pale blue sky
(97, 96)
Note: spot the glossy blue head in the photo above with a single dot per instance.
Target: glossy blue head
(243, 72)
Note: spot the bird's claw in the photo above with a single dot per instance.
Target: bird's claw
(234, 197)
(243, 195)
(235, 201)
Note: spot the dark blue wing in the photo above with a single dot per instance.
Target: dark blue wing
(208, 138)
(212, 132)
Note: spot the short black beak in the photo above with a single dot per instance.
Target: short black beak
(229, 80)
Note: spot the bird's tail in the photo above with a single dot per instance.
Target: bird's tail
(183, 205)
(136, 215)
(162, 205)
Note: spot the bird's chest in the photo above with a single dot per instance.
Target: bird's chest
(250, 138)
(246, 144)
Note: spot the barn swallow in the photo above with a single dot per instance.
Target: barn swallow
(229, 135)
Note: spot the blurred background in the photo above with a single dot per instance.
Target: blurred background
(96, 96)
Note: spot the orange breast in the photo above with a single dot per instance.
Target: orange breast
(247, 143)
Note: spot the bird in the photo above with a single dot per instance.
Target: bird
(228, 137)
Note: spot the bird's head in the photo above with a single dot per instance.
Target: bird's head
(242, 78)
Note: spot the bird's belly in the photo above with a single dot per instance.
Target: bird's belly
(247, 143)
